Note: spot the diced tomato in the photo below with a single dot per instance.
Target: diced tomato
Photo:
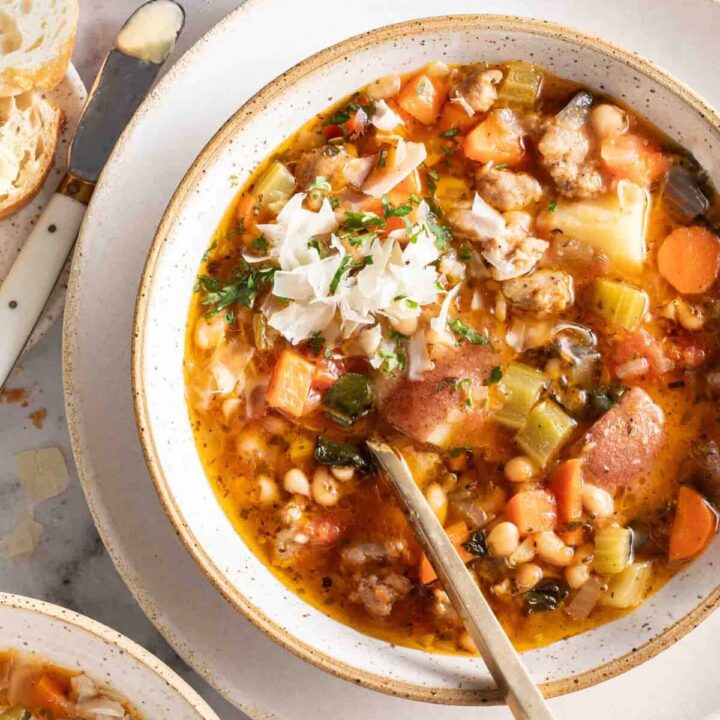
(495, 140)
(424, 95)
(327, 371)
(634, 158)
(566, 482)
(532, 511)
(322, 530)
(458, 533)
(352, 128)
(332, 131)
(290, 383)
(641, 344)
(454, 116)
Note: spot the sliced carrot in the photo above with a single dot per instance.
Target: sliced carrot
(566, 482)
(694, 526)
(290, 383)
(458, 533)
(50, 694)
(454, 117)
(634, 158)
(532, 511)
(495, 141)
(424, 95)
(689, 259)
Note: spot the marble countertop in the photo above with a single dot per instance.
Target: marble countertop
(70, 565)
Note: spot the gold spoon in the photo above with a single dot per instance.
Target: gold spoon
(511, 676)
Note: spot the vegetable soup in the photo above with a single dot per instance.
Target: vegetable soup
(512, 280)
(30, 688)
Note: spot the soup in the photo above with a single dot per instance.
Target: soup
(512, 281)
(31, 688)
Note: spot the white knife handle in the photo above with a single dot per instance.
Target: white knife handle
(32, 277)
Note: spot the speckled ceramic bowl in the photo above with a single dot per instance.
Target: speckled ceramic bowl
(80, 644)
(184, 233)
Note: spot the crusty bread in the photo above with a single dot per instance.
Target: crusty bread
(36, 41)
(29, 129)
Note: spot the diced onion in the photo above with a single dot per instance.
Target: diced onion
(583, 603)
(632, 368)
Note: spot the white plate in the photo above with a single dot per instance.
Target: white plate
(69, 96)
(251, 47)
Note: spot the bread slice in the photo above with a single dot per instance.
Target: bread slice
(36, 41)
(29, 130)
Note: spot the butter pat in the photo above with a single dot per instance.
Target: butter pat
(151, 31)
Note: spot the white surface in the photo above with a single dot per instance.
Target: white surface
(70, 567)
(236, 570)
(34, 274)
(70, 97)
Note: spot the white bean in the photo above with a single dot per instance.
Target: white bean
(438, 500)
(250, 445)
(324, 488)
(689, 316)
(527, 577)
(577, 575)
(268, 491)
(520, 469)
(524, 553)
(296, 482)
(503, 539)
(597, 502)
(552, 549)
(343, 473)
(405, 326)
(608, 120)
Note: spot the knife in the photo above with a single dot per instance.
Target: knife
(130, 68)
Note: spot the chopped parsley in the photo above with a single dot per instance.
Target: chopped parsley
(242, 287)
(260, 243)
(466, 333)
(338, 118)
(552, 205)
(362, 220)
(501, 166)
(465, 254)
(397, 211)
(321, 183)
(208, 252)
(421, 87)
(346, 265)
(313, 242)
(230, 317)
(397, 336)
(392, 361)
(382, 158)
(315, 343)
(441, 233)
(495, 376)
(452, 132)
(334, 202)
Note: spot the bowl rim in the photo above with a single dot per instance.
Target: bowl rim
(111, 637)
(216, 144)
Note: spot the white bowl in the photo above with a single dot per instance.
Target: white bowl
(164, 297)
(80, 644)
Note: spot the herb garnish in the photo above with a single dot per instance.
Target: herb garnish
(321, 183)
(315, 343)
(242, 287)
(552, 205)
(466, 333)
(452, 132)
(476, 544)
(260, 243)
(382, 158)
(495, 376)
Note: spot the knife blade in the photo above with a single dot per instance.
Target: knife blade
(125, 77)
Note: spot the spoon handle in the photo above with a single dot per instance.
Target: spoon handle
(521, 693)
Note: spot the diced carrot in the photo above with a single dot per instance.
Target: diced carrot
(566, 482)
(694, 526)
(290, 383)
(532, 511)
(454, 116)
(424, 95)
(495, 141)
(458, 533)
(689, 259)
(50, 694)
(634, 158)
(573, 537)
(245, 210)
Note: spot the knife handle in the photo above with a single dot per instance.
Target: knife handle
(36, 270)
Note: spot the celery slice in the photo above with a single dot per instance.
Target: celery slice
(276, 185)
(628, 588)
(521, 385)
(546, 429)
(613, 550)
(521, 85)
(618, 303)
